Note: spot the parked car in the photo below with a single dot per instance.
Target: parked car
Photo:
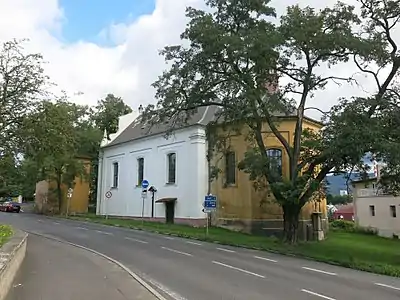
(9, 206)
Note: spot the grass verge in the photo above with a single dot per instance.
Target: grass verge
(5, 233)
(352, 250)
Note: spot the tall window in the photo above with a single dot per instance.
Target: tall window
(230, 167)
(115, 175)
(393, 212)
(171, 161)
(372, 210)
(275, 156)
(140, 177)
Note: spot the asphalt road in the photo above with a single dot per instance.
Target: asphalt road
(185, 269)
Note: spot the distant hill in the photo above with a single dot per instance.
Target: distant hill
(335, 183)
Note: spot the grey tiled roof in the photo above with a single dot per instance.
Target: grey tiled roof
(137, 130)
(201, 116)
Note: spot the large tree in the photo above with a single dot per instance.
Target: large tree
(107, 112)
(235, 54)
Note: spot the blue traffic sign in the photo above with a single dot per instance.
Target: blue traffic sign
(210, 202)
(145, 184)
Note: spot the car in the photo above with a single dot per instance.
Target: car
(9, 206)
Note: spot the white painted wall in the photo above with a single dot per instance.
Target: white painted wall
(191, 176)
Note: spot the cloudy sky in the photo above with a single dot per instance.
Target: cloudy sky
(102, 46)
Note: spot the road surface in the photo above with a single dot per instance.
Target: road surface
(184, 269)
(53, 270)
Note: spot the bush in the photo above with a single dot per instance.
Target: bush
(349, 226)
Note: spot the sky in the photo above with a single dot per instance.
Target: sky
(95, 47)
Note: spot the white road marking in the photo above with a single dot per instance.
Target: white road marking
(264, 258)
(168, 237)
(104, 232)
(176, 251)
(193, 243)
(318, 295)
(226, 250)
(238, 269)
(388, 286)
(319, 271)
(56, 223)
(81, 228)
(40, 221)
(136, 240)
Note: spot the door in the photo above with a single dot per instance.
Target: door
(170, 212)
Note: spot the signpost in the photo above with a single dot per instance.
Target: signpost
(69, 196)
(210, 205)
(145, 185)
(108, 196)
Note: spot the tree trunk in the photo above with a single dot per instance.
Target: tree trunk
(59, 192)
(291, 213)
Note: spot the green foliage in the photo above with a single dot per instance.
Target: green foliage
(337, 199)
(351, 227)
(106, 113)
(5, 233)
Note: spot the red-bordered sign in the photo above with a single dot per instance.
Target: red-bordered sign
(108, 194)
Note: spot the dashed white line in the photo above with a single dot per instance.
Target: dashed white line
(81, 228)
(267, 259)
(168, 237)
(237, 269)
(40, 221)
(176, 251)
(388, 286)
(317, 295)
(104, 232)
(56, 223)
(226, 250)
(319, 271)
(194, 243)
(136, 240)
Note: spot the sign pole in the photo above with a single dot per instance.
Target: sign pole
(145, 185)
(207, 224)
(108, 196)
(210, 205)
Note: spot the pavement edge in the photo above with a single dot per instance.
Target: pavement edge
(12, 255)
(135, 276)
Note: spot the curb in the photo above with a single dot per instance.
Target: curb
(135, 276)
(12, 255)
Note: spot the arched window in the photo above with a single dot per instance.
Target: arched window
(275, 156)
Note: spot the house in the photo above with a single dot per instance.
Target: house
(175, 166)
(344, 212)
(240, 205)
(46, 195)
(373, 208)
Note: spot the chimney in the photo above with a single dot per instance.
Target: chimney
(140, 109)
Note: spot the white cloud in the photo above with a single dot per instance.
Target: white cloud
(126, 69)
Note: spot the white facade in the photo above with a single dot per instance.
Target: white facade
(372, 209)
(189, 145)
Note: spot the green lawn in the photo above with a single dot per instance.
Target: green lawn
(354, 250)
(5, 233)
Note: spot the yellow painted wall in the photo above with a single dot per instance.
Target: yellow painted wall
(242, 201)
(80, 197)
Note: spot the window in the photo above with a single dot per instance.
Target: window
(393, 212)
(230, 167)
(372, 210)
(171, 161)
(140, 163)
(115, 175)
(275, 156)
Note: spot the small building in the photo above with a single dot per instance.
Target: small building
(344, 212)
(376, 209)
(175, 166)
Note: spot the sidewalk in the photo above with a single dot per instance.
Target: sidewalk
(52, 270)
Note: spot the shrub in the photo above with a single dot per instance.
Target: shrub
(349, 226)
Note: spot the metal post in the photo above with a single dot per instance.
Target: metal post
(152, 204)
(142, 210)
(207, 224)
(106, 206)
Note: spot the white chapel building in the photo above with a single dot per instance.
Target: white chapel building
(176, 167)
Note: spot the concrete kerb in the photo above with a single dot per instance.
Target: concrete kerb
(12, 255)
